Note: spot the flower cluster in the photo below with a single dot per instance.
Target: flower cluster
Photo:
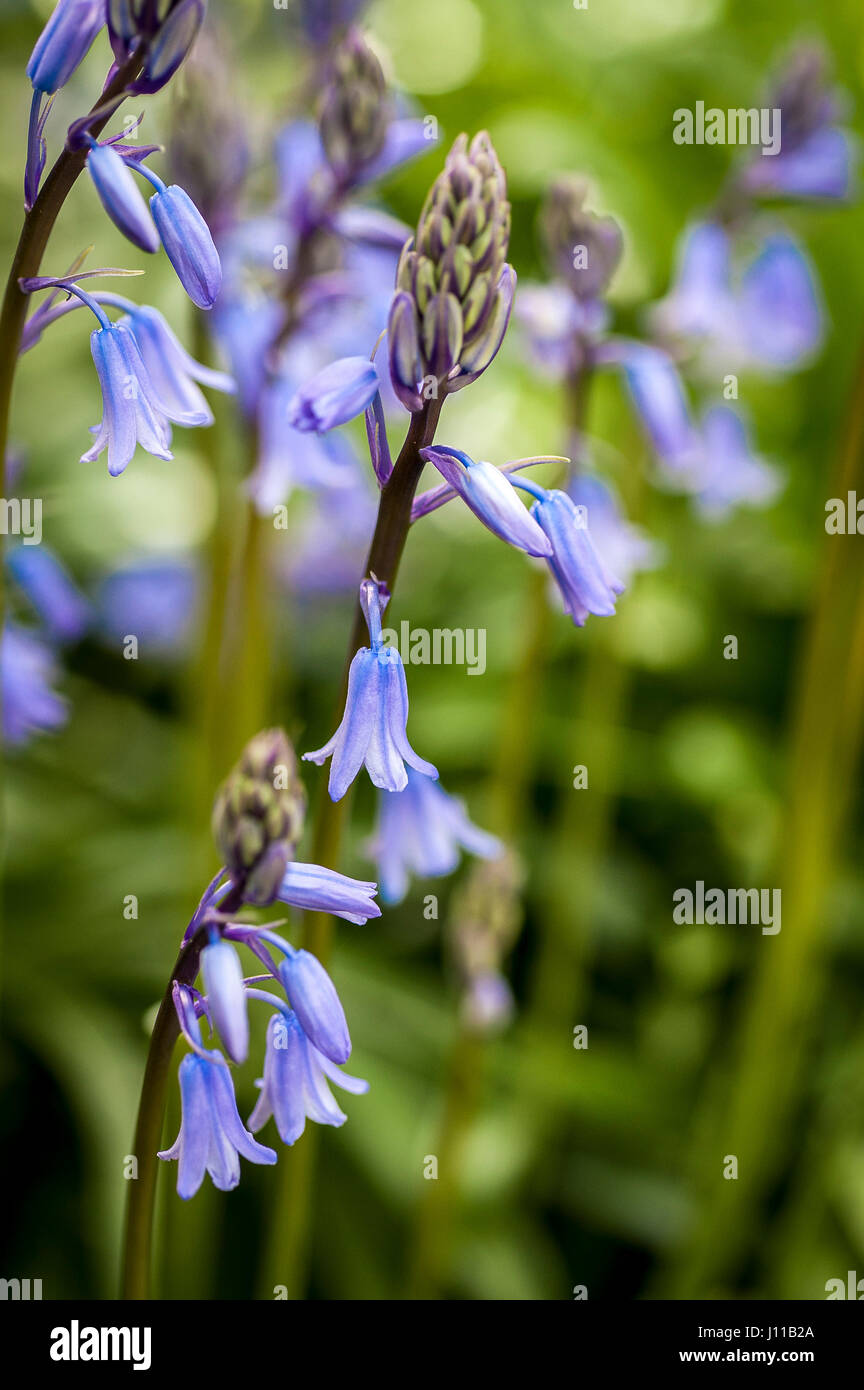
(146, 378)
(257, 821)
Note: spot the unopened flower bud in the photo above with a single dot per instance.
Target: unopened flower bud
(454, 288)
(258, 816)
(355, 110)
(583, 249)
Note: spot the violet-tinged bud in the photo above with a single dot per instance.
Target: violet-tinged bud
(64, 42)
(226, 995)
(491, 496)
(163, 32)
(403, 348)
(258, 816)
(336, 394)
(120, 197)
(188, 244)
(312, 995)
(455, 277)
(355, 110)
(484, 921)
(584, 250)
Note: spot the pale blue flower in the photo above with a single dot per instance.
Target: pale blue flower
(212, 1137)
(489, 494)
(373, 727)
(422, 830)
(294, 1087)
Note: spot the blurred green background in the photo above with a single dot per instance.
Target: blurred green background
(601, 1167)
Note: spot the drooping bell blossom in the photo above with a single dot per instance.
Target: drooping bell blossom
(289, 458)
(555, 324)
(729, 473)
(329, 545)
(312, 995)
(816, 154)
(623, 548)
(334, 395)
(489, 493)
(187, 241)
(212, 1137)
(373, 727)
(27, 669)
(120, 196)
(316, 889)
(64, 43)
(51, 590)
(172, 371)
(700, 303)
(587, 585)
(226, 996)
(657, 393)
(294, 1087)
(421, 830)
(781, 319)
(155, 599)
(131, 411)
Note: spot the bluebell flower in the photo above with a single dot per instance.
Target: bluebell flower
(120, 196)
(658, 395)
(316, 889)
(212, 1136)
(489, 494)
(51, 590)
(187, 242)
(421, 830)
(816, 154)
(27, 668)
(701, 302)
(131, 411)
(294, 1087)
(333, 396)
(331, 539)
(623, 548)
(226, 996)
(172, 371)
(289, 458)
(586, 583)
(729, 473)
(373, 727)
(64, 42)
(553, 321)
(155, 599)
(781, 315)
(312, 995)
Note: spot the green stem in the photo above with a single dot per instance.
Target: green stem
(285, 1261)
(137, 1251)
(749, 1114)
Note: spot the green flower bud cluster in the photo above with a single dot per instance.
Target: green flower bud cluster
(258, 816)
(454, 288)
(355, 108)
